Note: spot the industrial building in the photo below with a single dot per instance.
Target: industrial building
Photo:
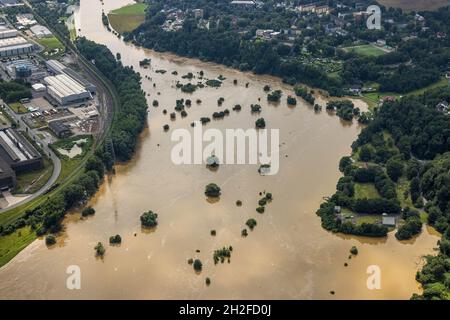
(60, 129)
(24, 68)
(17, 152)
(65, 90)
(41, 31)
(11, 44)
(57, 67)
(10, 3)
(7, 33)
(7, 175)
(25, 19)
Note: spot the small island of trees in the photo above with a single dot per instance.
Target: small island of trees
(149, 219)
(212, 190)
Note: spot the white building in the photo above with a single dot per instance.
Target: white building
(41, 31)
(25, 20)
(66, 90)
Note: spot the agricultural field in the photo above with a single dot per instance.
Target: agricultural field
(127, 18)
(367, 50)
(410, 5)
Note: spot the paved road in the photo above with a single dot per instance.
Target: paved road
(43, 144)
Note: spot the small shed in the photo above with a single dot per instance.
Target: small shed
(389, 221)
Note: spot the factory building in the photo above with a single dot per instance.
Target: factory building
(57, 67)
(41, 31)
(7, 33)
(84, 82)
(11, 44)
(65, 90)
(17, 152)
(60, 129)
(24, 68)
(7, 175)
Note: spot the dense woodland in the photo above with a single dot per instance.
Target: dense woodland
(410, 140)
(131, 117)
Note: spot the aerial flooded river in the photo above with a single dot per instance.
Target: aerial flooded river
(287, 256)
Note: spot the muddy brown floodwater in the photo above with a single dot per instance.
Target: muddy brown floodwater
(287, 256)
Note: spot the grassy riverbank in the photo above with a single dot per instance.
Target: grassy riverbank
(127, 18)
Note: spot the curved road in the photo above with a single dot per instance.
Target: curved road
(56, 161)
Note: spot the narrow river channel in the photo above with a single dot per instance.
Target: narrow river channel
(287, 256)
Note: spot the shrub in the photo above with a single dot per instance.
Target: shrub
(291, 101)
(50, 240)
(117, 239)
(198, 265)
(100, 250)
(212, 190)
(260, 123)
(149, 219)
(251, 223)
(88, 211)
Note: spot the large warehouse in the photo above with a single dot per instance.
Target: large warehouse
(7, 33)
(15, 46)
(17, 152)
(66, 90)
(57, 67)
(11, 44)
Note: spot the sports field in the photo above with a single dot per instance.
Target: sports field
(367, 50)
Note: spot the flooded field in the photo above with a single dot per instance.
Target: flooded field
(287, 256)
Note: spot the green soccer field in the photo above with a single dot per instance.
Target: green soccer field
(367, 50)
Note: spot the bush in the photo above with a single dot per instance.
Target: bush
(394, 169)
(412, 227)
(354, 250)
(291, 101)
(88, 211)
(260, 123)
(149, 219)
(117, 239)
(251, 223)
(50, 240)
(100, 250)
(275, 96)
(198, 265)
(212, 190)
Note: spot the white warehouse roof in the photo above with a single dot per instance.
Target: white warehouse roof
(66, 90)
(40, 31)
(38, 87)
(64, 85)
